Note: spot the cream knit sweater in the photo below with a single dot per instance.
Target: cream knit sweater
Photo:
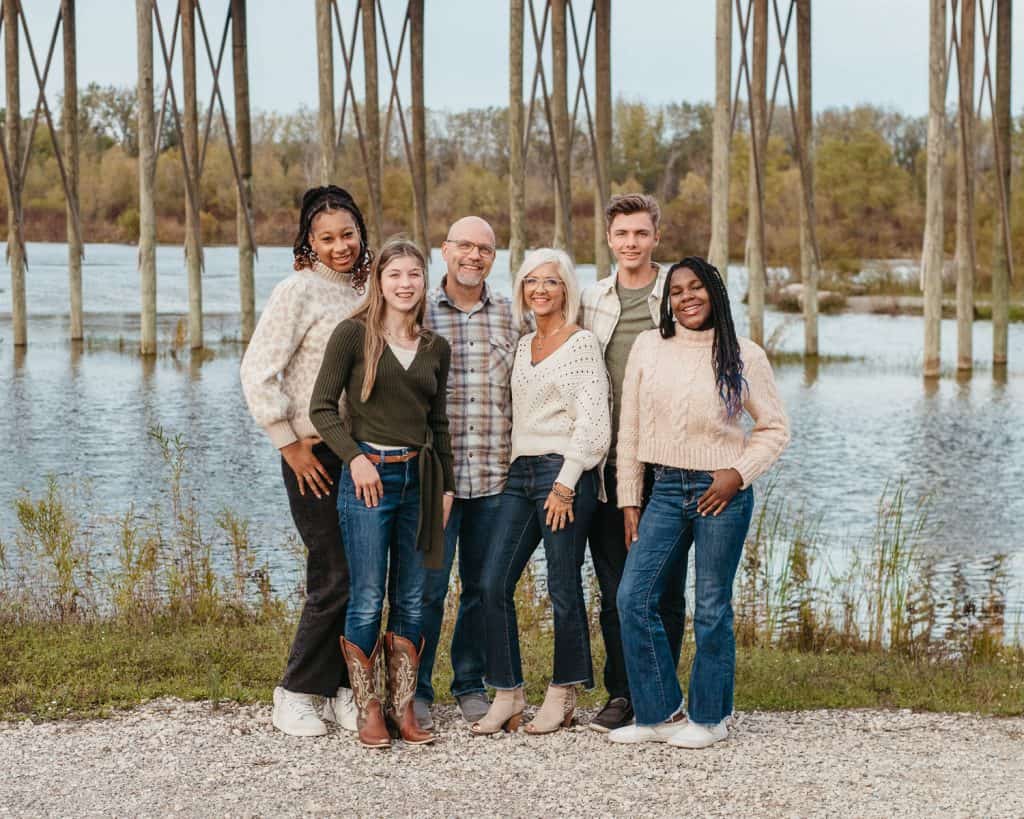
(672, 414)
(283, 359)
(560, 405)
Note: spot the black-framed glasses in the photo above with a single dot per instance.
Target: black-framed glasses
(466, 246)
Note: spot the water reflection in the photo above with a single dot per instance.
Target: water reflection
(84, 412)
(812, 365)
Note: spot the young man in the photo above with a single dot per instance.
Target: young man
(479, 326)
(617, 309)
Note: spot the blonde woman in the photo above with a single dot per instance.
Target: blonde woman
(396, 485)
(560, 432)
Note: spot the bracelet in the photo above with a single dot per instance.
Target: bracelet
(565, 495)
(450, 494)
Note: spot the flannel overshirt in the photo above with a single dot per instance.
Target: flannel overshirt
(483, 342)
(600, 308)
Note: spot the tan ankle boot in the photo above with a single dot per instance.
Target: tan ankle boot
(505, 713)
(556, 712)
(403, 662)
(373, 730)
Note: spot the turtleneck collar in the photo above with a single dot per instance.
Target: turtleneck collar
(331, 274)
(694, 338)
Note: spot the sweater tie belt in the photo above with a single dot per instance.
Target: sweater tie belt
(430, 532)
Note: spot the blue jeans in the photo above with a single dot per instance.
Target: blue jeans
(471, 525)
(380, 544)
(669, 526)
(518, 531)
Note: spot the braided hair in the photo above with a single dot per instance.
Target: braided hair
(327, 199)
(725, 351)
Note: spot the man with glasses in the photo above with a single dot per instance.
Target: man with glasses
(479, 327)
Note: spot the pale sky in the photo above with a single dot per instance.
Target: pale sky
(864, 51)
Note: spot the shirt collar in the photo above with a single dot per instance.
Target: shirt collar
(440, 296)
(609, 282)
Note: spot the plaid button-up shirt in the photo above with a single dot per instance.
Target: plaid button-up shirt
(600, 307)
(483, 342)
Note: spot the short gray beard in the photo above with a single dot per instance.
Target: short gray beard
(465, 282)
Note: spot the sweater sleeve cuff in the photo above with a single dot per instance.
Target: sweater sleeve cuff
(348, 451)
(629, 493)
(749, 471)
(569, 474)
(281, 434)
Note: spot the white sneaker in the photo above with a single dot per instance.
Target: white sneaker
(296, 715)
(646, 733)
(341, 709)
(695, 735)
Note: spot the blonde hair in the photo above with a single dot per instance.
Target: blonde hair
(371, 311)
(566, 272)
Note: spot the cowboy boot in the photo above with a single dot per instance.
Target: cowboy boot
(373, 730)
(403, 662)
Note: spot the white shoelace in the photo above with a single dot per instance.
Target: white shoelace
(301, 708)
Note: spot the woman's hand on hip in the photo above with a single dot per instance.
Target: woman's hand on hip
(309, 472)
(725, 484)
(559, 511)
(369, 488)
(631, 523)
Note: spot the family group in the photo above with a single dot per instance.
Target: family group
(416, 424)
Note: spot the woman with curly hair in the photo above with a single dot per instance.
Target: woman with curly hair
(332, 261)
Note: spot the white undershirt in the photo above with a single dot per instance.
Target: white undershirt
(404, 354)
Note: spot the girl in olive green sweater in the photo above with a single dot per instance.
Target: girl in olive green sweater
(397, 484)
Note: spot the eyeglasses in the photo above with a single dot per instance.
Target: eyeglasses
(533, 283)
(465, 246)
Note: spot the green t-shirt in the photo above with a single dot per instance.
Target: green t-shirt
(634, 319)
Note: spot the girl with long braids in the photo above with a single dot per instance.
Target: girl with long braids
(332, 261)
(686, 388)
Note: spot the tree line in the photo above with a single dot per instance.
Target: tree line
(869, 173)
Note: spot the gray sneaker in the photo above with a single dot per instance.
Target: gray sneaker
(421, 710)
(473, 706)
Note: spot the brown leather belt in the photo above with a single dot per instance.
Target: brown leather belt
(391, 459)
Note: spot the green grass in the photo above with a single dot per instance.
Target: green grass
(85, 670)
(163, 621)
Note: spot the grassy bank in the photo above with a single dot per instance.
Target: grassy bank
(182, 607)
(90, 669)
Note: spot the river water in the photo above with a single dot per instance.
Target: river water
(82, 413)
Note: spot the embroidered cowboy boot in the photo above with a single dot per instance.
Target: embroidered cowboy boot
(403, 662)
(373, 730)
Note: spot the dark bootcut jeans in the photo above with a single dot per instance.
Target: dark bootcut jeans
(518, 532)
(670, 525)
(315, 664)
(380, 543)
(608, 551)
(471, 526)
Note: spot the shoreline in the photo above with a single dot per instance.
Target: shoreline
(896, 304)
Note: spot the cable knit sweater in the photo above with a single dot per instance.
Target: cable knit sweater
(283, 359)
(672, 414)
(560, 405)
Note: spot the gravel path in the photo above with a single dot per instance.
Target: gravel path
(172, 757)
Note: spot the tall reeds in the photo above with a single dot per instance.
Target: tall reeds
(881, 592)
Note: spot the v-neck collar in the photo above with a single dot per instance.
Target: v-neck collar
(554, 352)
(398, 361)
